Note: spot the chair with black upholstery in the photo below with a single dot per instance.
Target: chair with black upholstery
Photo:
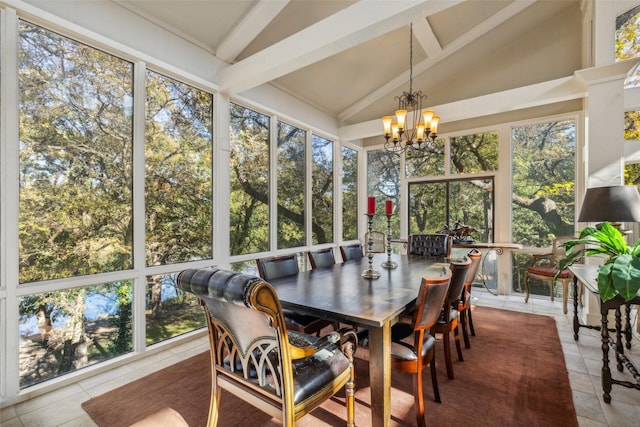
(284, 373)
(448, 321)
(321, 258)
(464, 307)
(543, 267)
(413, 356)
(431, 245)
(350, 252)
(271, 268)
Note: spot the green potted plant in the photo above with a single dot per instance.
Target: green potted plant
(620, 273)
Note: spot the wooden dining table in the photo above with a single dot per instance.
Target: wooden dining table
(340, 293)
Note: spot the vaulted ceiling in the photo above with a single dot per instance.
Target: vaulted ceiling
(351, 58)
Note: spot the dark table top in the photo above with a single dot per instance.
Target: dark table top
(340, 292)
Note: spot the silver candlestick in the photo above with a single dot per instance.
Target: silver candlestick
(388, 263)
(370, 273)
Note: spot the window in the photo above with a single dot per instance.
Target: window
(431, 163)
(75, 154)
(321, 190)
(383, 183)
(349, 194)
(436, 204)
(543, 176)
(66, 330)
(178, 168)
(474, 153)
(632, 126)
(627, 46)
(291, 186)
(543, 182)
(249, 171)
(170, 311)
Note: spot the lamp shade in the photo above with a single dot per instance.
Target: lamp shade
(620, 203)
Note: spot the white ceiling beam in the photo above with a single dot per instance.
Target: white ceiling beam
(477, 31)
(354, 25)
(426, 37)
(248, 28)
(559, 90)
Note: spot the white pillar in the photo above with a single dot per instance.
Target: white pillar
(603, 142)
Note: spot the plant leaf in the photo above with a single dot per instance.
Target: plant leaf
(625, 275)
(605, 284)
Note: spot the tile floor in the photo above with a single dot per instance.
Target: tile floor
(583, 359)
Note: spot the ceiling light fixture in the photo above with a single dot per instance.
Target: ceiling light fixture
(412, 126)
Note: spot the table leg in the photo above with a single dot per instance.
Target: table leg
(606, 372)
(619, 346)
(380, 375)
(627, 327)
(576, 322)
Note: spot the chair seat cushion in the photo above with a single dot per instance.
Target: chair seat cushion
(549, 271)
(403, 351)
(315, 373)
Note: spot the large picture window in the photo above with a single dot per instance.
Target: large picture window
(543, 199)
(383, 183)
(249, 181)
(434, 205)
(178, 165)
(321, 190)
(349, 194)
(291, 186)
(75, 158)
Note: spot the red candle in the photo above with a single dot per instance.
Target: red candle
(371, 205)
(388, 207)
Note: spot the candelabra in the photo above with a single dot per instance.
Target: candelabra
(388, 263)
(370, 273)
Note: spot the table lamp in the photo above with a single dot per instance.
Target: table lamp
(616, 204)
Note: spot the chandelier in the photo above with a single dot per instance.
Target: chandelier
(412, 126)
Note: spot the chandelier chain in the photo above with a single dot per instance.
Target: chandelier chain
(411, 58)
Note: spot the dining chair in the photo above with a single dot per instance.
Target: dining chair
(431, 245)
(464, 306)
(543, 267)
(448, 321)
(284, 373)
(321, 258)
(413, 356)
(271, 268)
(350, 252)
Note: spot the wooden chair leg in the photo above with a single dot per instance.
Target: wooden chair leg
(419, 398)
(349, 388)
(434, 379)
(456, 335)
(470, 317)
(214, 407)
(447, 355)
(465, 333)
